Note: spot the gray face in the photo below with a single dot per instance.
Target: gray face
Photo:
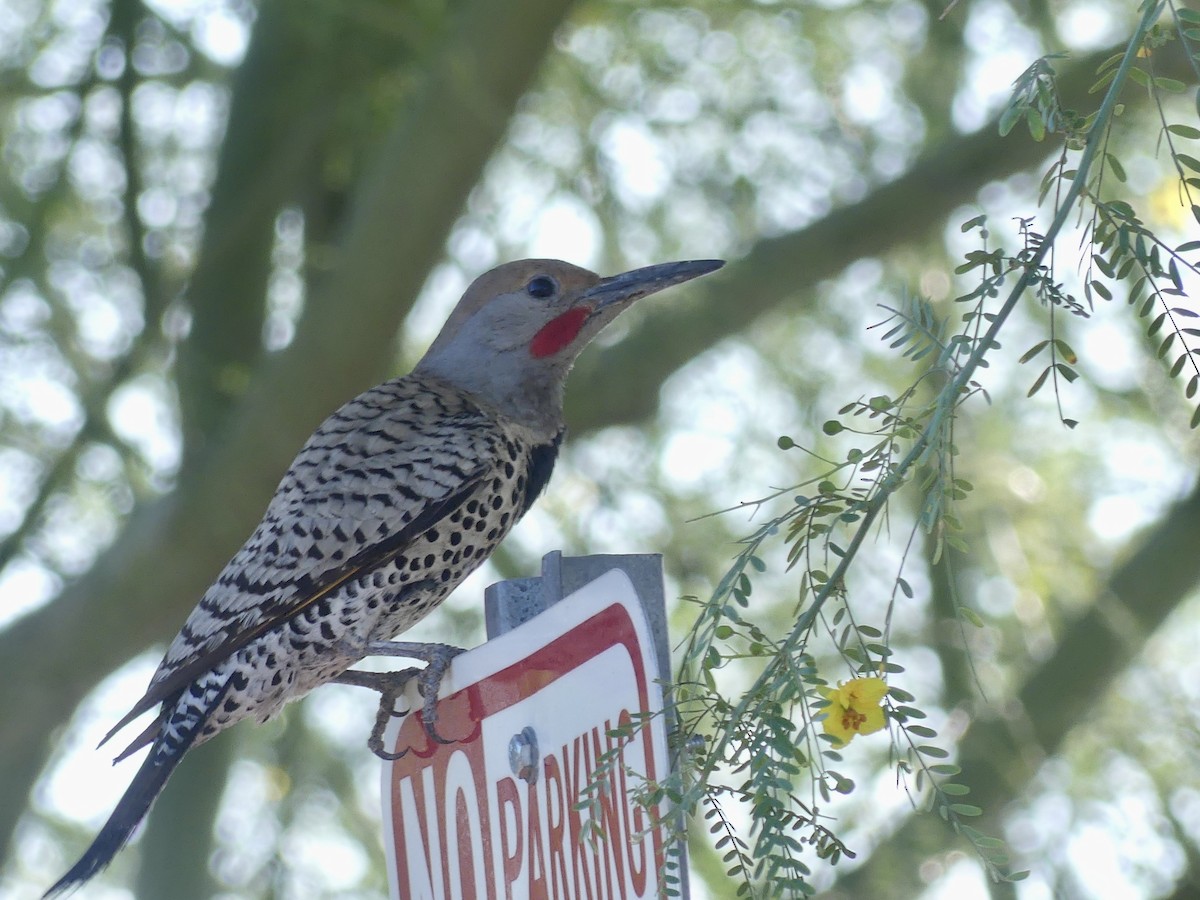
(514, 336)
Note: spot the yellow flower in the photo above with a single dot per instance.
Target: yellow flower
(854, 708)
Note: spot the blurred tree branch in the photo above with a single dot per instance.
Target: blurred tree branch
(782, 272)
(170, 549)
(280, 107)
(282, 102)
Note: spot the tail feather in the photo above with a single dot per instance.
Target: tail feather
(130, 811)
(177, 732)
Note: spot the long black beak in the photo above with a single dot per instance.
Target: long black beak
(630, 286)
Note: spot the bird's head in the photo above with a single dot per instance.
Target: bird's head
(518, 329)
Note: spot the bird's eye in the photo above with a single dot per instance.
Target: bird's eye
(541, 286)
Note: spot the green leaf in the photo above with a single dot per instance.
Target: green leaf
(1037, 125)
(1102, 82)
(1184, 131)
(966, 809)
(947, 769)
(1008, 119)
(1065, 351)
(1103, 265)
(978, 838)
(1170, 85)
(1034, 351)
(958, 790)
(1117, 169)
(1039, 381)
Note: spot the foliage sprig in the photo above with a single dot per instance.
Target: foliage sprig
(754, 744)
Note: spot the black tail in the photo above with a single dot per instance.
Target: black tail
(189, 710)
(120, 825)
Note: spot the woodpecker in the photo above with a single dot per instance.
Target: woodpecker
(392, 502)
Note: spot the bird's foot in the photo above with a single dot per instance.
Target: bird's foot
(391, 685)
(437, 658)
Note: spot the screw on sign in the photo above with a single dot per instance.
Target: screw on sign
(496, 812)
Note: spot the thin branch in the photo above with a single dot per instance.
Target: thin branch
(947, 400)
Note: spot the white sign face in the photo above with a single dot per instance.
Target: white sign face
(461, 823)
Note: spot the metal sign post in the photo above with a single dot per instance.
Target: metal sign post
(514, 806)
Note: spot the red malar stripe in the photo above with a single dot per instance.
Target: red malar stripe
(556, 334)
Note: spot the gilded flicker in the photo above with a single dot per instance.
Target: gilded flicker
(392, 502)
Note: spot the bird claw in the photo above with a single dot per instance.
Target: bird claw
(430, 683)
(391, 685)
(375, 742)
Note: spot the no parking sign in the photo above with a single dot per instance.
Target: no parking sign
(496, 813)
